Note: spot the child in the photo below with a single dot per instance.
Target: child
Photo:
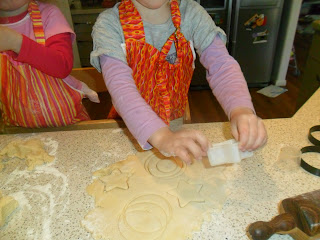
(36, 60)
(144, 49)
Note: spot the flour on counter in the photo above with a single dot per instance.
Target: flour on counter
(117, 130)
(51, 146)
(43, 198)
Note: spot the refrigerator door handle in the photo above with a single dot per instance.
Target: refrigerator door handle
(235, 26)
(233, 48)
(229, 17)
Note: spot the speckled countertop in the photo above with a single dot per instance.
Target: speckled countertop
(53, 200)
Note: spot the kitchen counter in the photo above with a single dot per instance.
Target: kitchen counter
(53, 198)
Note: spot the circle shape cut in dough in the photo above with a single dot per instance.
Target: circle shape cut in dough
(145, 217)
(164, 168)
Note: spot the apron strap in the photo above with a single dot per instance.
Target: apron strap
(35, 16)
(175, 13)
(131, 22)
(176, 37)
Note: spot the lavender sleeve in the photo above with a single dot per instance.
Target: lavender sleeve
(225, 77)
(139, 117)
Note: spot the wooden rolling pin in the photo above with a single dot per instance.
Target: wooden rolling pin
(300, 218)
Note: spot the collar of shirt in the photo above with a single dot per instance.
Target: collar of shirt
(13, 19)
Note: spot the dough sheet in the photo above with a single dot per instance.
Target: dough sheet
(32, 151)
(7, 206)
(148, 196)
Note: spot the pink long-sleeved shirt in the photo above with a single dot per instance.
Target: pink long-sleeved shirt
(223, 74)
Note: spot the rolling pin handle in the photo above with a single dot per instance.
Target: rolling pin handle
(264, 230)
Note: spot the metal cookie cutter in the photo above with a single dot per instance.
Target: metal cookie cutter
(311, 138)
(306, 166)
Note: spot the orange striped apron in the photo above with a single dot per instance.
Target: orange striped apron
(163, 86)
(31, 98)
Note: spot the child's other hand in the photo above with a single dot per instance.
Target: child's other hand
(10, 40)
(180, 143)
(248, 129)
(92, 95)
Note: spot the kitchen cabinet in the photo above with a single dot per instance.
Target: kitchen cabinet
(310, 80)
(83, 21)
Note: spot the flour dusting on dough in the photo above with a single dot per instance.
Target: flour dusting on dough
(7, 207)
(21, 198)
(33, 151)
(51, 145)
(163, 199)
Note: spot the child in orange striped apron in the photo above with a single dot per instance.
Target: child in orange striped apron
(35, 61)
(145, 50)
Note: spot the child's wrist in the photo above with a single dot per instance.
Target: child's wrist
(17, 39)
(158, 137)
(241, 110)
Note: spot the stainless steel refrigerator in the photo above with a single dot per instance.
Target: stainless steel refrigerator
(253, 37)
(220, 12)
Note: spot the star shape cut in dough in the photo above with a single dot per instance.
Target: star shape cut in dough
(116, 179)
(187, 192)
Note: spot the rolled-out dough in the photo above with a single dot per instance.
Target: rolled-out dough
(164, 199)
(187, 193)
(7, 206)
(32, 151)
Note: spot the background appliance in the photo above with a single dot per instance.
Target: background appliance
(286, 36)
(254, 32)
(220, 12)
(252, 45)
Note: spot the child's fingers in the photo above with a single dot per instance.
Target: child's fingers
(183, 154)
(262, 136)
(197, 137)
(202, 140)
(184, 144)
(253, 134)
(244, 131)
(234, 131)
(93, 96)
(193, 148)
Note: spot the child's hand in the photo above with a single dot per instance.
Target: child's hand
(248, 129)
(10, 40)
(92, 95)
(180, 143)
